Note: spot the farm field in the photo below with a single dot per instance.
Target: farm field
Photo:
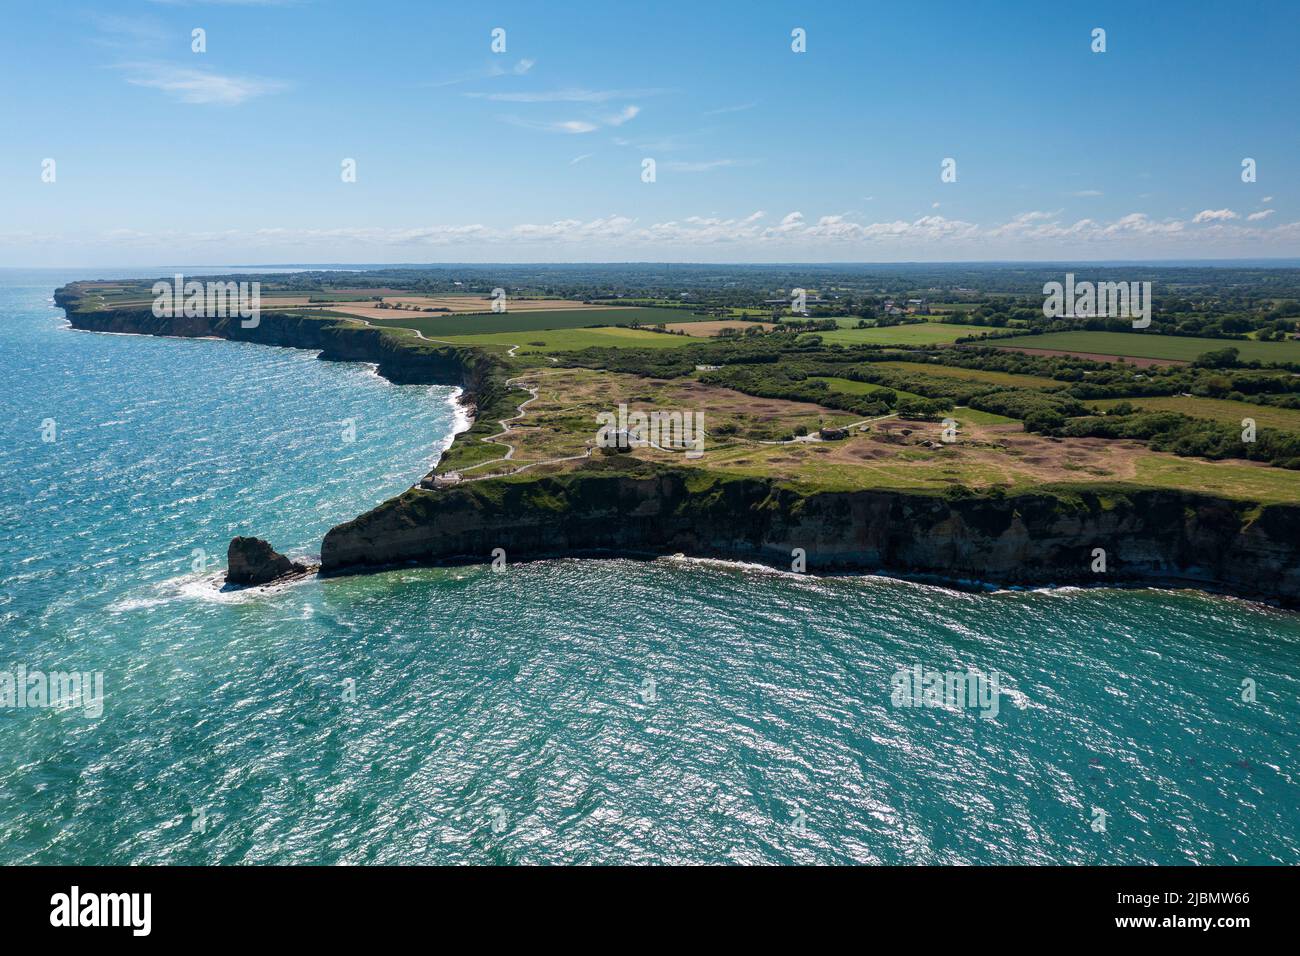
(1154, 346)
(848, 386)
(569, 340)
(456, 304)
(706, 329)
(443, 326)
(973, 416)
(927, 333)
(1008, 379)
(1215, 409)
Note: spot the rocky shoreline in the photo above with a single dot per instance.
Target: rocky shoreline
(1049, 537)
(628, 507)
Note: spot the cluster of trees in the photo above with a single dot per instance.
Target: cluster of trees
(1189, 300)
(773, 381)
(1211, 317)
(1216, 374)
(1186, 436)
(777, 367)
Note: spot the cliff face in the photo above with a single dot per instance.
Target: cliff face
(399, 361)
(629, 507)
(1149, 536)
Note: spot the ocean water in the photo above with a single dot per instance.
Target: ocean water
(558, 712)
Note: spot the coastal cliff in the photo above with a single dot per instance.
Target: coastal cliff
(398, 355)
(630, 507)
(1048, 537)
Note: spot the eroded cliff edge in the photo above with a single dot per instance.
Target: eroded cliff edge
(397, 354)
(634, 508)
(621, 506)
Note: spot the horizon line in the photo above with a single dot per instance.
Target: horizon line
(302, 264)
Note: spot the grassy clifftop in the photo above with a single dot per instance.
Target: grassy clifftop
(1053, 535)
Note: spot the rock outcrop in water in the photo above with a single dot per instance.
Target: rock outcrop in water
(1049, 536)
(251, 561)
(619, 506)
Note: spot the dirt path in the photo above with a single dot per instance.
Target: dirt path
(505, 430)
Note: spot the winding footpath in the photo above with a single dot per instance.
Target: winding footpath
(532, 397)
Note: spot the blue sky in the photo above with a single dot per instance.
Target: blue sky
(761, 154)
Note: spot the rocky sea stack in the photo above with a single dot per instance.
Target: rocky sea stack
(253, 561)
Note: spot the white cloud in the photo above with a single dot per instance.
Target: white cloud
(564, 96)
(559, 126)
(679, 166)
(1035, 234)
(627, 113)
(493, 70)
(577, 159)
(190, 85)
(1262, 214)
(730, 109)
(1214, 215)
(1085, 193)
(127, 32)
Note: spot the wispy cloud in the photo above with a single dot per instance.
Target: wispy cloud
(1085, 193)
(191, 85)
(118, 31)
(565, 96)
(730, 109)
(558, 126)
(627, 113)
(577, 159)
(519, 68)
(589, 125)
(706, 166)
(666, 144)
(1262, 214)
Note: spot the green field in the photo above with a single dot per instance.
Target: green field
(927, 333)
(569, 340)
(442, 326)
(848, 386)
(1215, 409)
(973, 416)
(1154, 345)
(973, 374)
(965, 416)
(1227, 478)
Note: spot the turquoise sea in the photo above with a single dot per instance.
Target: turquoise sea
(558, 712)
